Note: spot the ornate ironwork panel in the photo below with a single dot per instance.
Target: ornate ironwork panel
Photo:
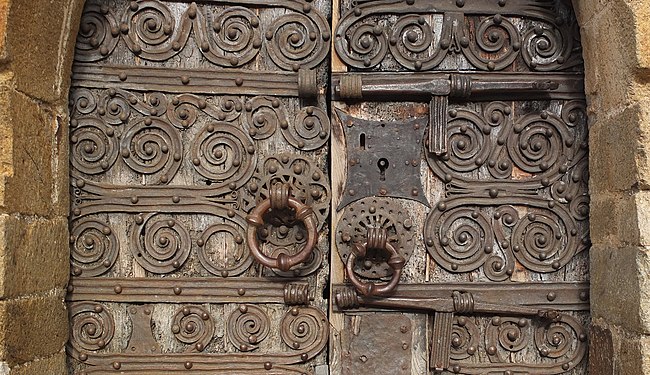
(496, 281)
(211, 145)
(187, 118)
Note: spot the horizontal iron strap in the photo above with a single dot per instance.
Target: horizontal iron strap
(175, 80)
(467, 86)
(170, 362)
(188, 290)
(533, 295)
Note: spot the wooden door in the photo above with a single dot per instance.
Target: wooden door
(459, 174)
(205, 181)
(187, 118)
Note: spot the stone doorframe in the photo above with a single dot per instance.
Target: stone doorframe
(37, 41)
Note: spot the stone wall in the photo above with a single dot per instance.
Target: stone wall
(616, 42)
(36, 44)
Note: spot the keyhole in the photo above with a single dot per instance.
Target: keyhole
(383, 165)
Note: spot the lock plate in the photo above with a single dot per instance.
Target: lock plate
(383, 158)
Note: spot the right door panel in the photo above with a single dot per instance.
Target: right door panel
(460, 197)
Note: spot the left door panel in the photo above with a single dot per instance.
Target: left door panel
(199, 131)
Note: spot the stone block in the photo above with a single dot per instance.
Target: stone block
(618, 153)
(619, 287)
(613, 219)
(609, 35)
(585, 10)
(34, 255)
(40, 43)
(641, 11)
(54, 365)
(36, 138)
(634, 355)
(33, 327)
(4, 15)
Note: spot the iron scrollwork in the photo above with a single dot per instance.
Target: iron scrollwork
(517, 213)
(488, 35)
(183, 116)
(232, 37)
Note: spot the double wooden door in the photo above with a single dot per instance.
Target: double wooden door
(316, 187)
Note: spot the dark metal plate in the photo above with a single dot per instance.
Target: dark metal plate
(378, 344)
(383, 158)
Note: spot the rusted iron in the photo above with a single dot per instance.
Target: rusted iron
(280, 200)
(183, 117)
(375, 240)
(457, 86)
(368, 214)
(482, 32)
(383, 158)
(189, 290)
(378, 342)
(534, 322)
(529, 296)
(142, 340)
(441, 341)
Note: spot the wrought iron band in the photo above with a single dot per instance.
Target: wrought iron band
(218, 82)
(470, 86)
(188, 290)
(524, 298)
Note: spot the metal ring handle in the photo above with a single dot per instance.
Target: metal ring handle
(304, 213)
(396, 262)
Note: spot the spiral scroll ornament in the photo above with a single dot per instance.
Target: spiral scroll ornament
(310, 130)
(363, 45)
(498, 116)
(224, 154)
(506, 335)
(247, 327)
(412, 42)
(298, 41)
(236, 35)
(152, 147)
(561, 339)
(116, 106)
(304, 329)
(151, 32)
(98, 34)
(465, 337)
(468, 142)
(183, 110)
(574, 113)
(162, 245)
(94, 247)
(536, 141)
(546, 48)
(226, 238)
(194, 326)
(545, 240)
(94, 147)
(83, 101)
(91, 326)
(263, 115)
(115, 110)
(230, 108)
(496, 44)
(458, 238)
